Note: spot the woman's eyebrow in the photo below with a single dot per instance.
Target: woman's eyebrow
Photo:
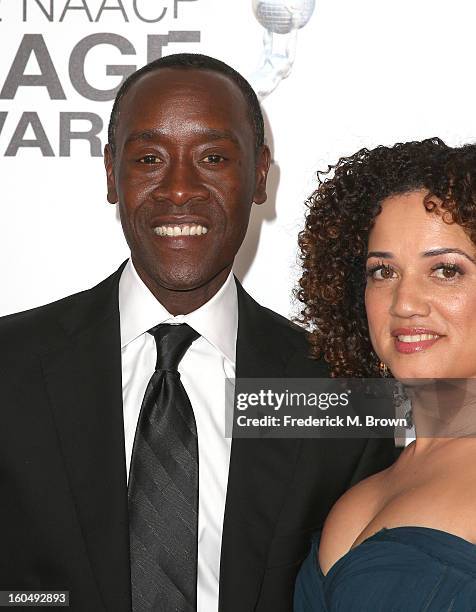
(382, 254)
(430, 253)
(445, 251)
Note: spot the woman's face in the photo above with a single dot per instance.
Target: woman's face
(420, 296)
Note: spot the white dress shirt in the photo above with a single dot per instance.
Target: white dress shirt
(203, 369)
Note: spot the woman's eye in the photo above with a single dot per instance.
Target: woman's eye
(150, 159)
(447, 271)
(381, 272)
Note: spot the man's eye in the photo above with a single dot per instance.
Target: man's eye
(381, 272)
(150, 159)
(213, 159)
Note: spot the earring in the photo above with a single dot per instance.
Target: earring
(383, 369)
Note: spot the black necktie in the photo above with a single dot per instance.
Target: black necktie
(163, 485)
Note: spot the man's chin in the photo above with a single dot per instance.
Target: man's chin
(180, 280)
(180, 284)
(182, 277)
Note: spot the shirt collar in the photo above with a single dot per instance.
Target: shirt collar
(216, 320)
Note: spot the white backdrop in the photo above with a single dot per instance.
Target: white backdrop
(367, 72)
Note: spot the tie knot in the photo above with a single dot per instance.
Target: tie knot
(172, 343)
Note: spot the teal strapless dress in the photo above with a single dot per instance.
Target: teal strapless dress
(403, 569)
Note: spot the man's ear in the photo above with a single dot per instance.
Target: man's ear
(111, 181)
(263, 160)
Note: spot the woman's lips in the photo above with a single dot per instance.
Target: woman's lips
(414, 340)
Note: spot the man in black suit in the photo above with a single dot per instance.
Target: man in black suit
(185, 160)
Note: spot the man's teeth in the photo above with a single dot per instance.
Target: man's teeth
(417, 338)
(180, 230)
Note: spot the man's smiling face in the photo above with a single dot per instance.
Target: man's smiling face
(185, 172)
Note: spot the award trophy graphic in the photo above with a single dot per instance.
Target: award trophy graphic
(281, 19)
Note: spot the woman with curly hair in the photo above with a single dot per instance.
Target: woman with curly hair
(389, 289)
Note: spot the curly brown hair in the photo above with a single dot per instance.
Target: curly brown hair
(340, 215)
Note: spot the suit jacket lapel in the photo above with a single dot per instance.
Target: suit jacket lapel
(260, 470)
(83, 378)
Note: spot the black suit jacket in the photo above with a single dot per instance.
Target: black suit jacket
(63, 492)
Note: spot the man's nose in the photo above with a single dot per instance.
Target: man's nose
(181, 183)
(410, 298)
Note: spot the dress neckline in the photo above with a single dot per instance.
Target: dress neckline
(389, 531)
